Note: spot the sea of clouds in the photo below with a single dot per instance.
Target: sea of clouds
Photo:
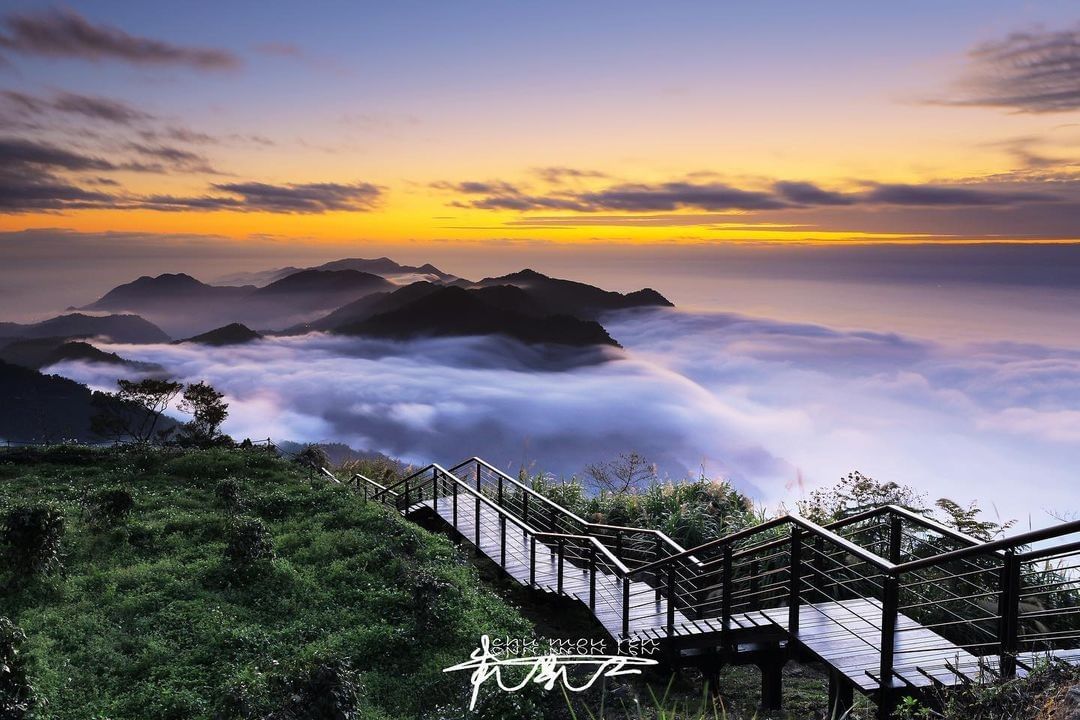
(778, 408)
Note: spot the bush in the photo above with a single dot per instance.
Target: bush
(312, 456)
(691, 512)
(230, 494)
(31, 536)
(328, 691)
(16, 693)
(108, 507)
(249, 544)
(273, 505)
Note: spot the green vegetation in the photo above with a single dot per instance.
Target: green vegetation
(689, 512)
(1050, 692)
(228, 584)
(152, 610)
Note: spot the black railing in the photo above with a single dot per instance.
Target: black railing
(995, 605)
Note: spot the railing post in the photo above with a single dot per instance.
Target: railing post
(755, 583)
(502, 541)
(476, 522)
(365, 490)
(500, 493)
(1009, 611)
(618, 544)
(477, 477)
(406, 493)
(554, 526)
(671, 599)
(560, 570)
(592, 577)
(795, 580)
(819, 575)
(626, 605)
(435, 491)
(896, 535)
(455, 505)
(655, 557)
(725, 598)
(525, 506)
(532, 561)
(890, 604)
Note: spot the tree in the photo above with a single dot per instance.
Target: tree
(966, 520)
(629, 470)
(313, 456)
(134, 411)
(208, 411)
(856, 493)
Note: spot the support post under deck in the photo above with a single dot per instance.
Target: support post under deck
(772, 684)
(841, 695)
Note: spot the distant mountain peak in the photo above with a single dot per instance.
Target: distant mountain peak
(231, 334)
(526, 274)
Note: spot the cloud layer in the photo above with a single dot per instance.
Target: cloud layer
(721, 197)
(761, 402)
(36, 176)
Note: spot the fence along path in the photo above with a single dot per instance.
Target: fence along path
(891, 602)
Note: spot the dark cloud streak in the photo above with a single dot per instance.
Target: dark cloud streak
(1029, 72)
(306, 198)
(65, 33)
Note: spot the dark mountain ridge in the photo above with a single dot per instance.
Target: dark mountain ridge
(231, 334)
(154, 292)
(117, 328)
(38, 353)
(42, 408)
(576, 298)
(185, 306)
(455, 311)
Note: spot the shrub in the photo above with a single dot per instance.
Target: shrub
(108, 507)
(230, 494)
(31, 536)
(273, 505)
(249, 544)
(328, 691)
(16, 693)
(312, 457)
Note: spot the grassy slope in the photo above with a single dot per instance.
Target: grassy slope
(143, 622)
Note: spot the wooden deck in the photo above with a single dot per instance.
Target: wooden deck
(855, 623)
(844, 635)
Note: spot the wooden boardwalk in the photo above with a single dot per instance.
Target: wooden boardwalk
(844, 635)
(889, 601)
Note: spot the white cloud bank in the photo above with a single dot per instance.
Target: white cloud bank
(758, 401)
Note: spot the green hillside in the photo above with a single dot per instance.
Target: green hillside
(147, 617)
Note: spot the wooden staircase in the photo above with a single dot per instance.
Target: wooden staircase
(889, 601)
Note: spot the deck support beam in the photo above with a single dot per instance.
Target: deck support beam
(841, 695)
(772, 683)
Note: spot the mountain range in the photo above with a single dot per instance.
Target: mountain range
(351, 297)
(347, 297)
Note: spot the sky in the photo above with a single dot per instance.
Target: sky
(610, 122)
(867, 215)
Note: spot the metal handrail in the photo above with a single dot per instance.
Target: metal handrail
(1010, 543)
(564, 511)
(406, 479)
(928, 523)
(357, 477)
(789, 519)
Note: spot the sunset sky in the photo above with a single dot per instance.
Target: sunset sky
(568, 122)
